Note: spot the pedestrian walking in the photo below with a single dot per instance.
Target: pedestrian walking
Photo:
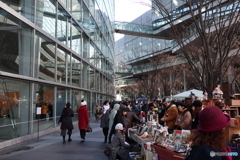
(105, 119)
(66, 122)
(83, 119)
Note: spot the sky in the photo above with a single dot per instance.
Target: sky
(128, 10)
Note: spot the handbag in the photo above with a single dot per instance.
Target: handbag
(88, 129)
(108, 150)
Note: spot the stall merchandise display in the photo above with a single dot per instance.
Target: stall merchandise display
(152, 135)
(178, 142)
(136, 156)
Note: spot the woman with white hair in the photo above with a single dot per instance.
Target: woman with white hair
(120, 147)
(83, 119)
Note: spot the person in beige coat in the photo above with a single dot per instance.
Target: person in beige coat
(170, 115)
(184, 118)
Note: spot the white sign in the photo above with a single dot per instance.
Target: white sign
(39, 109)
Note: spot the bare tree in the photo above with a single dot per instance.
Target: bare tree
(205, 33)
(130, 91)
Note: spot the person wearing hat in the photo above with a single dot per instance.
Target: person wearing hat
(120, 147)
(210, 136)
(83, 119)
(196, 108)
(170, 115)
(66, 122)
(184, 119)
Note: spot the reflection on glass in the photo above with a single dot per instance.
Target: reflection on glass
(76, 10)
(91, 74)
(76, 72)
(47, 19)
(92, 54)
(76, 38)
(61, 101)
(44, 101)
(85, 76)
(63, 26)
(24, 7)
(62, 66)
(45, 50)
(15, 45)
(14, 109)
(76, 99)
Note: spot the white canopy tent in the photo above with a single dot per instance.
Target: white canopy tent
(186, 94)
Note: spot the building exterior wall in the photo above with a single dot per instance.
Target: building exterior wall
(53, 52)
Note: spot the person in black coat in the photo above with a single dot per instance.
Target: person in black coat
(196, 108)
(66, 122)
(118, 118)
(105, 119)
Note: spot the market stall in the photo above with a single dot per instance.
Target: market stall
(157, 143)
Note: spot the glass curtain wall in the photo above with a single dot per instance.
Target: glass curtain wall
(14, 109)
(60, 51)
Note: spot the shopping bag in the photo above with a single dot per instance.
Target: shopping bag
(88, 129)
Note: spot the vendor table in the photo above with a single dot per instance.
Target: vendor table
(140, 140)
(165, 154)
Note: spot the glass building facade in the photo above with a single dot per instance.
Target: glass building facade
(53, 52)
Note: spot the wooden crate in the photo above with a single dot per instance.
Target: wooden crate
(165, 154)
(234, 102)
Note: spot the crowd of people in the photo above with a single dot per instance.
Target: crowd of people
(206, 124)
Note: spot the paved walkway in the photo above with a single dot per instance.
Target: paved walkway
(50, 147)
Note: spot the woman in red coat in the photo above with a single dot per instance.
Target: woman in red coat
(83, 119)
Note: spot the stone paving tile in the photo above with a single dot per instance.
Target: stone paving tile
(50, 147)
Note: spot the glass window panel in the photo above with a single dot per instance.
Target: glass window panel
(77, 10)
(44, 98)
(45, 58)
(46, 19)
(14, 109)
(68, 69)
(76, 72)
(92, 54)
(97, 79)
(85, 46)
(94, 101)
(24, 7)
(61, 100)
(15, 45)
(92, 82)
(76, 99)
(62, 66)
(85, 76)
(86, 19)
(76, 38)
(63, 26)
